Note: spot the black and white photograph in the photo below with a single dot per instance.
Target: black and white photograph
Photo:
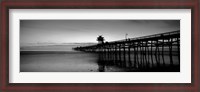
(100, 45)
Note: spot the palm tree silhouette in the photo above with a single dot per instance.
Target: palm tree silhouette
(100, 39)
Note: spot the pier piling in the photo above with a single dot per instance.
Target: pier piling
(146, 52)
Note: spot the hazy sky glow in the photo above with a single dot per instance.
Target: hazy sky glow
(70, 31)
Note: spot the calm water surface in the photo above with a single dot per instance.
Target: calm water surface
(42, 61)
(63, 59)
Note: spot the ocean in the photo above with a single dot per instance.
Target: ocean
(61, 58)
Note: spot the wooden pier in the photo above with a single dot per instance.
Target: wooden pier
(152, 52)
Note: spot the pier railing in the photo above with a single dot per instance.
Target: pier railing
(158, 51)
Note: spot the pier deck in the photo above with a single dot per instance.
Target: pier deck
(147, 52)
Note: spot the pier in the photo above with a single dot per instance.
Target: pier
(157, 52)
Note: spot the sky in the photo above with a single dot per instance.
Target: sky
(86, 31)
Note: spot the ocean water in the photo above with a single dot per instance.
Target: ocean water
(42, 61)
(60, 58)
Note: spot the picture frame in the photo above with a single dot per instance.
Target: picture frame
(119, 4)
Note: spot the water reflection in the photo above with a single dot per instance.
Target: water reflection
(139, 62)
(101, 65)
(51, 61)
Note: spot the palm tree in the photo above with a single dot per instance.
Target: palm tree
(100, 39)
